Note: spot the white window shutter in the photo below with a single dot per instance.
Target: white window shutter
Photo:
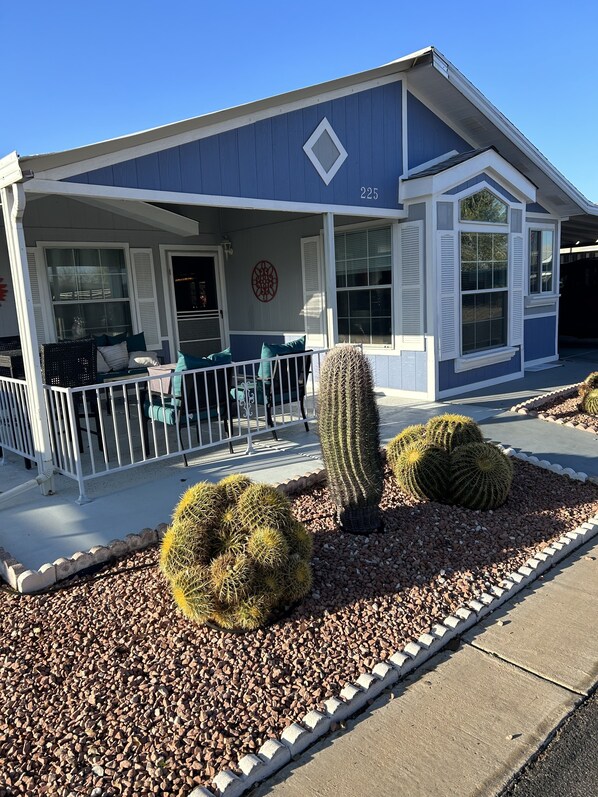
(314, 303)
(516, 285)
(36, 279)
(145, 295)
(450, 290)
(411, 286)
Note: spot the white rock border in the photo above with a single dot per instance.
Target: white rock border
(354, 697)
(530, 406)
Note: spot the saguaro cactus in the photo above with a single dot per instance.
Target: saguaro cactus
(349, 428)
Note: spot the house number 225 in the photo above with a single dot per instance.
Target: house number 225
(369, 192)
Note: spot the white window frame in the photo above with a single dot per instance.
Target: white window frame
(379, 224)
(483, 227)
(124, 247)
(541, 297)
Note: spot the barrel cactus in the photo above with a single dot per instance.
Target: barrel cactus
(349, 429)
(481, 476)
(450, 431)
(590, 402)
(234, 555)
(423, 471)
(398, 444)
(589, 383)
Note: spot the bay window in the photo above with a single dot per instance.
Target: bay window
(484, 268)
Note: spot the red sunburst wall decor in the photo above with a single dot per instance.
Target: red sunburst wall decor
(3, 290)
(264, 281)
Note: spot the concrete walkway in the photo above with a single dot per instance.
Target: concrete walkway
(465, 723)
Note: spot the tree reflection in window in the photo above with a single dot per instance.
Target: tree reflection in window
(484, 206)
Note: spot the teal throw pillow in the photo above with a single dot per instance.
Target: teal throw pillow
(112, 340)
(189, 362)
(278, 350)
(136, 342)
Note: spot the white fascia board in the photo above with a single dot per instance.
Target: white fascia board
(146, 214)
(77, 190)
(489, 161)
(10, 170)
(469, 91)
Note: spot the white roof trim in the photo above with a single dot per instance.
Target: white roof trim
(77, 190)
(489, 161)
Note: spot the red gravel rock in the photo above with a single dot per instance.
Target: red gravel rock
(105, 685)
(567, 410)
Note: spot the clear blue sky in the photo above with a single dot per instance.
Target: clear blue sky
(79, 72)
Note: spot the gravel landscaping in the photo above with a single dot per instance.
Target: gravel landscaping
(566, 410)
(106, 690)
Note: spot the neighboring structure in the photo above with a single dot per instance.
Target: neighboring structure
(395, 208)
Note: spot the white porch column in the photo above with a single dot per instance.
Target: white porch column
(13, 207)
(330, 272)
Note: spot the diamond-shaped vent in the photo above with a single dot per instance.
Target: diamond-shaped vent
(325, 151)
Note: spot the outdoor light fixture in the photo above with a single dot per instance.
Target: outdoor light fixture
(227, 246)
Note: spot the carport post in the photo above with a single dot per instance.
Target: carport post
(13, 207)
(330, 274)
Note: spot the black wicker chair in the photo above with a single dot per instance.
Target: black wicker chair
(73, 364)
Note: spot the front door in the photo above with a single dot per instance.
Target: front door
(197, 303)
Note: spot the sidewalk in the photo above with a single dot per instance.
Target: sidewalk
(465, 723)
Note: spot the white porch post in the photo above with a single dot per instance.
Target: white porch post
(330, 272)
(13, 207)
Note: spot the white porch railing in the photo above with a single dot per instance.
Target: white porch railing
(124, 424)
(15, 426)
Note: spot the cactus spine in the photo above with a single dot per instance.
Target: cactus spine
(348, 422)
(482, 476)
(589, 383)
(451, 431)
(234, 554)
(423, 471)
(398, 444)
(590, 402)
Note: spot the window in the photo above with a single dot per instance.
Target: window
(484, 274)
(541, 261)
(484, 206)
(363, 281)
(89, 290)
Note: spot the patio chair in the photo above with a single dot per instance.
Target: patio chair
(73, 364)
(287, 385)
(188, 399)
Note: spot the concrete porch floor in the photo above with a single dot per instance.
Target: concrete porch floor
(37, 529)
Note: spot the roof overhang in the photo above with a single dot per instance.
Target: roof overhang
(488, 161)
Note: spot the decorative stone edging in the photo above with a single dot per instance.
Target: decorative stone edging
(353, 697)
(529, 408)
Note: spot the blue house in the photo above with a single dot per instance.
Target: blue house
(396, 208)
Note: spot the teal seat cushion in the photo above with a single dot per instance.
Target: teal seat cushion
(277, 350)
(188, 362)
(166, 411)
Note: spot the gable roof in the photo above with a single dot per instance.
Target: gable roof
(442, 166)
(430, 74)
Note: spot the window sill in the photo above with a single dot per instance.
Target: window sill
(540, 299)
(471, 361)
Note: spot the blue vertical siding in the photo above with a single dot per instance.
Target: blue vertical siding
(539, 337)
(448, 379)
(265, 160)
(428, 137)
